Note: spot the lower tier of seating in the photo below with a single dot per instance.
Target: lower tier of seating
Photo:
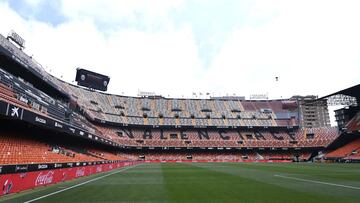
(217, 155)
(350, 150)
(24, 149)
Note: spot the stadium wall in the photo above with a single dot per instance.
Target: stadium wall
(17, 182)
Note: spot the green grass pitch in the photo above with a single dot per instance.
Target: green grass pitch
(211, 182)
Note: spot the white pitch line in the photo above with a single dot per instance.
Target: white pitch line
(319, 182)
(80, 184)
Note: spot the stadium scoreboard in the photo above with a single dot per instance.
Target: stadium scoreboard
(91, 79)
(16, 38)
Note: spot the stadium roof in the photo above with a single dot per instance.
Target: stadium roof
(353, 91)
(349, 96)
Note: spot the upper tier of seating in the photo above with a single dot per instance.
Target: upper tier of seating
(183, 112)
(19, 92)
(150, 111)
(25, 60)
(27, 96)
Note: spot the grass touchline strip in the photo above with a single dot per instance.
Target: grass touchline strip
(319, 182)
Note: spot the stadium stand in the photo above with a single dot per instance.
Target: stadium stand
(20, 92)
(99, 105)
(125, 126)
(49, 125)
(319, 137)
(21, 150)
(349, 151)
(179, 112)
(27, 148)
(354, 123)
(217, 155)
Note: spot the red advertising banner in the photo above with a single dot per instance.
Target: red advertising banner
(17, 182)
(219, 161)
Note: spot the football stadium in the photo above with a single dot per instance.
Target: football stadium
(67, 142)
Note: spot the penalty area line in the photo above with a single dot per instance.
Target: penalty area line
(80, 184)
(318, 182)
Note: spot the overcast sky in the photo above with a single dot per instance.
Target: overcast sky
(177, 47)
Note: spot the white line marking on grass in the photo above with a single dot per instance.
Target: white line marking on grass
(80, 184)
(319, 182)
